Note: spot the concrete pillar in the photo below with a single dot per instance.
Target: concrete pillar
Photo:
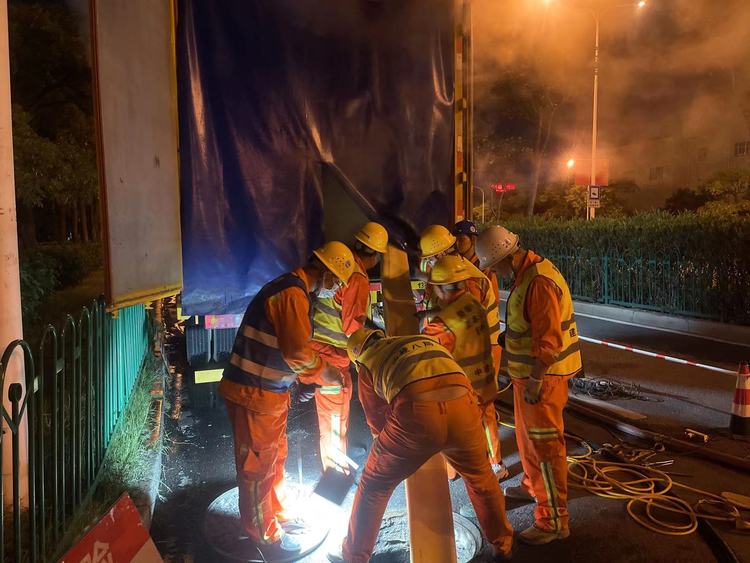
(11, 327)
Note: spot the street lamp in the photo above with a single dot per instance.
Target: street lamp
(570, 164)
(598, 12)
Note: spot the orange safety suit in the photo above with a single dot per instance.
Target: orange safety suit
(539, 427)
(480, 290)
(332, 402)
(409, 429)
(439, 330)
(257, 398)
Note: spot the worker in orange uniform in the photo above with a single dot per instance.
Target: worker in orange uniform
(435, 242)
(541, 353)
(488, 292)
(336, 316)
(418, 402)
(460, 326)
(271, 351)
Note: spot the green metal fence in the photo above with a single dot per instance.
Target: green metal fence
(76, 387)
(673, 287)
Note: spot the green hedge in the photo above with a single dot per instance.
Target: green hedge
(688, 264)
(48, 267)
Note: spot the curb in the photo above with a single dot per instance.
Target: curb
(712, 330)
(148, 487)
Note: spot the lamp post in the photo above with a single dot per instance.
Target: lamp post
(481, 191)
(598, 13)
(591, 211)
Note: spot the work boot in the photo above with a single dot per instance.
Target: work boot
(500, 471)
(294, 526)
(536, 536)
(518, 493)
(287, 545)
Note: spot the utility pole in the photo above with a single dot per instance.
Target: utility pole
(591, 211)
(11, 327)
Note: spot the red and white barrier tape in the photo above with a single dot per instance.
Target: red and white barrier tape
(656, 355)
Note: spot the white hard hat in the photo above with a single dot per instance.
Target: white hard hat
(495, 244)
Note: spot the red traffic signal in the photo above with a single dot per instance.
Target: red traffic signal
(500, 188)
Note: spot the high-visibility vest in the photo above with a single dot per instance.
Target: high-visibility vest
(256, 359)
(466, 319)
(491, 300)
(327, 325)
(517, 360)
(397, 361)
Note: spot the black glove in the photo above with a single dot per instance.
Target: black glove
(501, 340)
(306, 391)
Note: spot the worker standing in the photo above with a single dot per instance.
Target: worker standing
(417, 403)
(460, 326)
(541, 353)
(271, 351)
(487, 291)
(337, 314)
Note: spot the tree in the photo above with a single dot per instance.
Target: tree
(515, 129)
(730, 185)
(55, 159)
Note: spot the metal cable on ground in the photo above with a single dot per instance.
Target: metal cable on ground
(607, 389)
(650, 492)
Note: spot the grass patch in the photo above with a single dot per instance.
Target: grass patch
(128, 456)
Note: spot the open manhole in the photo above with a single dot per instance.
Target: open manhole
(393, 541)
(222, 530)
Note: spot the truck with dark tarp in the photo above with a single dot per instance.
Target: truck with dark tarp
(296, 122)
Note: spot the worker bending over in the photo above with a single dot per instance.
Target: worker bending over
(418, 402)
(460, 325)
(541, 354)
(271, 351)
(435, 242)
(337, 314)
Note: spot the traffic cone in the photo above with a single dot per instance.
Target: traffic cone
(739, 425)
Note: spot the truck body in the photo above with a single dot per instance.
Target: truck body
(299, 121)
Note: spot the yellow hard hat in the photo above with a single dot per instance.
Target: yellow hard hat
(453, 269)
(358, 339)
(373, 235)
(434, 240)
(337, 257)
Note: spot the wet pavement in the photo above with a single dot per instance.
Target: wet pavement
(198, 467)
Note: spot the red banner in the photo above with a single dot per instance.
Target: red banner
(118, 537)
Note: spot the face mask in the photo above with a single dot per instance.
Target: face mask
(324, 293)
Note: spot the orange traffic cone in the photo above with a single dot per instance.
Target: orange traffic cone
(739, 425)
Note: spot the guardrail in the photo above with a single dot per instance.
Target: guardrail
(75, 390)
(683, 288)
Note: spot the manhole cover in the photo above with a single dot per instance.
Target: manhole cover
(393, 541)
(222, 530)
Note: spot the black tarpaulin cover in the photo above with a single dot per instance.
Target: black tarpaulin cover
(269, 90)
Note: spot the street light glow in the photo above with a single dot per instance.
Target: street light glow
(642, 4)
(571, 163)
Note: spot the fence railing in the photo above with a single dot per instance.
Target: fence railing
(76, 387)
(667, 286)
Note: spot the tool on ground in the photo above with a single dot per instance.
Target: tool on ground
(695, 435)
(739, 425)
(337, 481)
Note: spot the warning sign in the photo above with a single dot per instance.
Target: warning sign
(118, 537)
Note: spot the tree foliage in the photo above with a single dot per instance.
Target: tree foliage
(53, 132)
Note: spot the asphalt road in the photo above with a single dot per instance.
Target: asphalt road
(198, 463)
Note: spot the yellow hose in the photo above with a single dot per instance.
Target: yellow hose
(647, 491)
